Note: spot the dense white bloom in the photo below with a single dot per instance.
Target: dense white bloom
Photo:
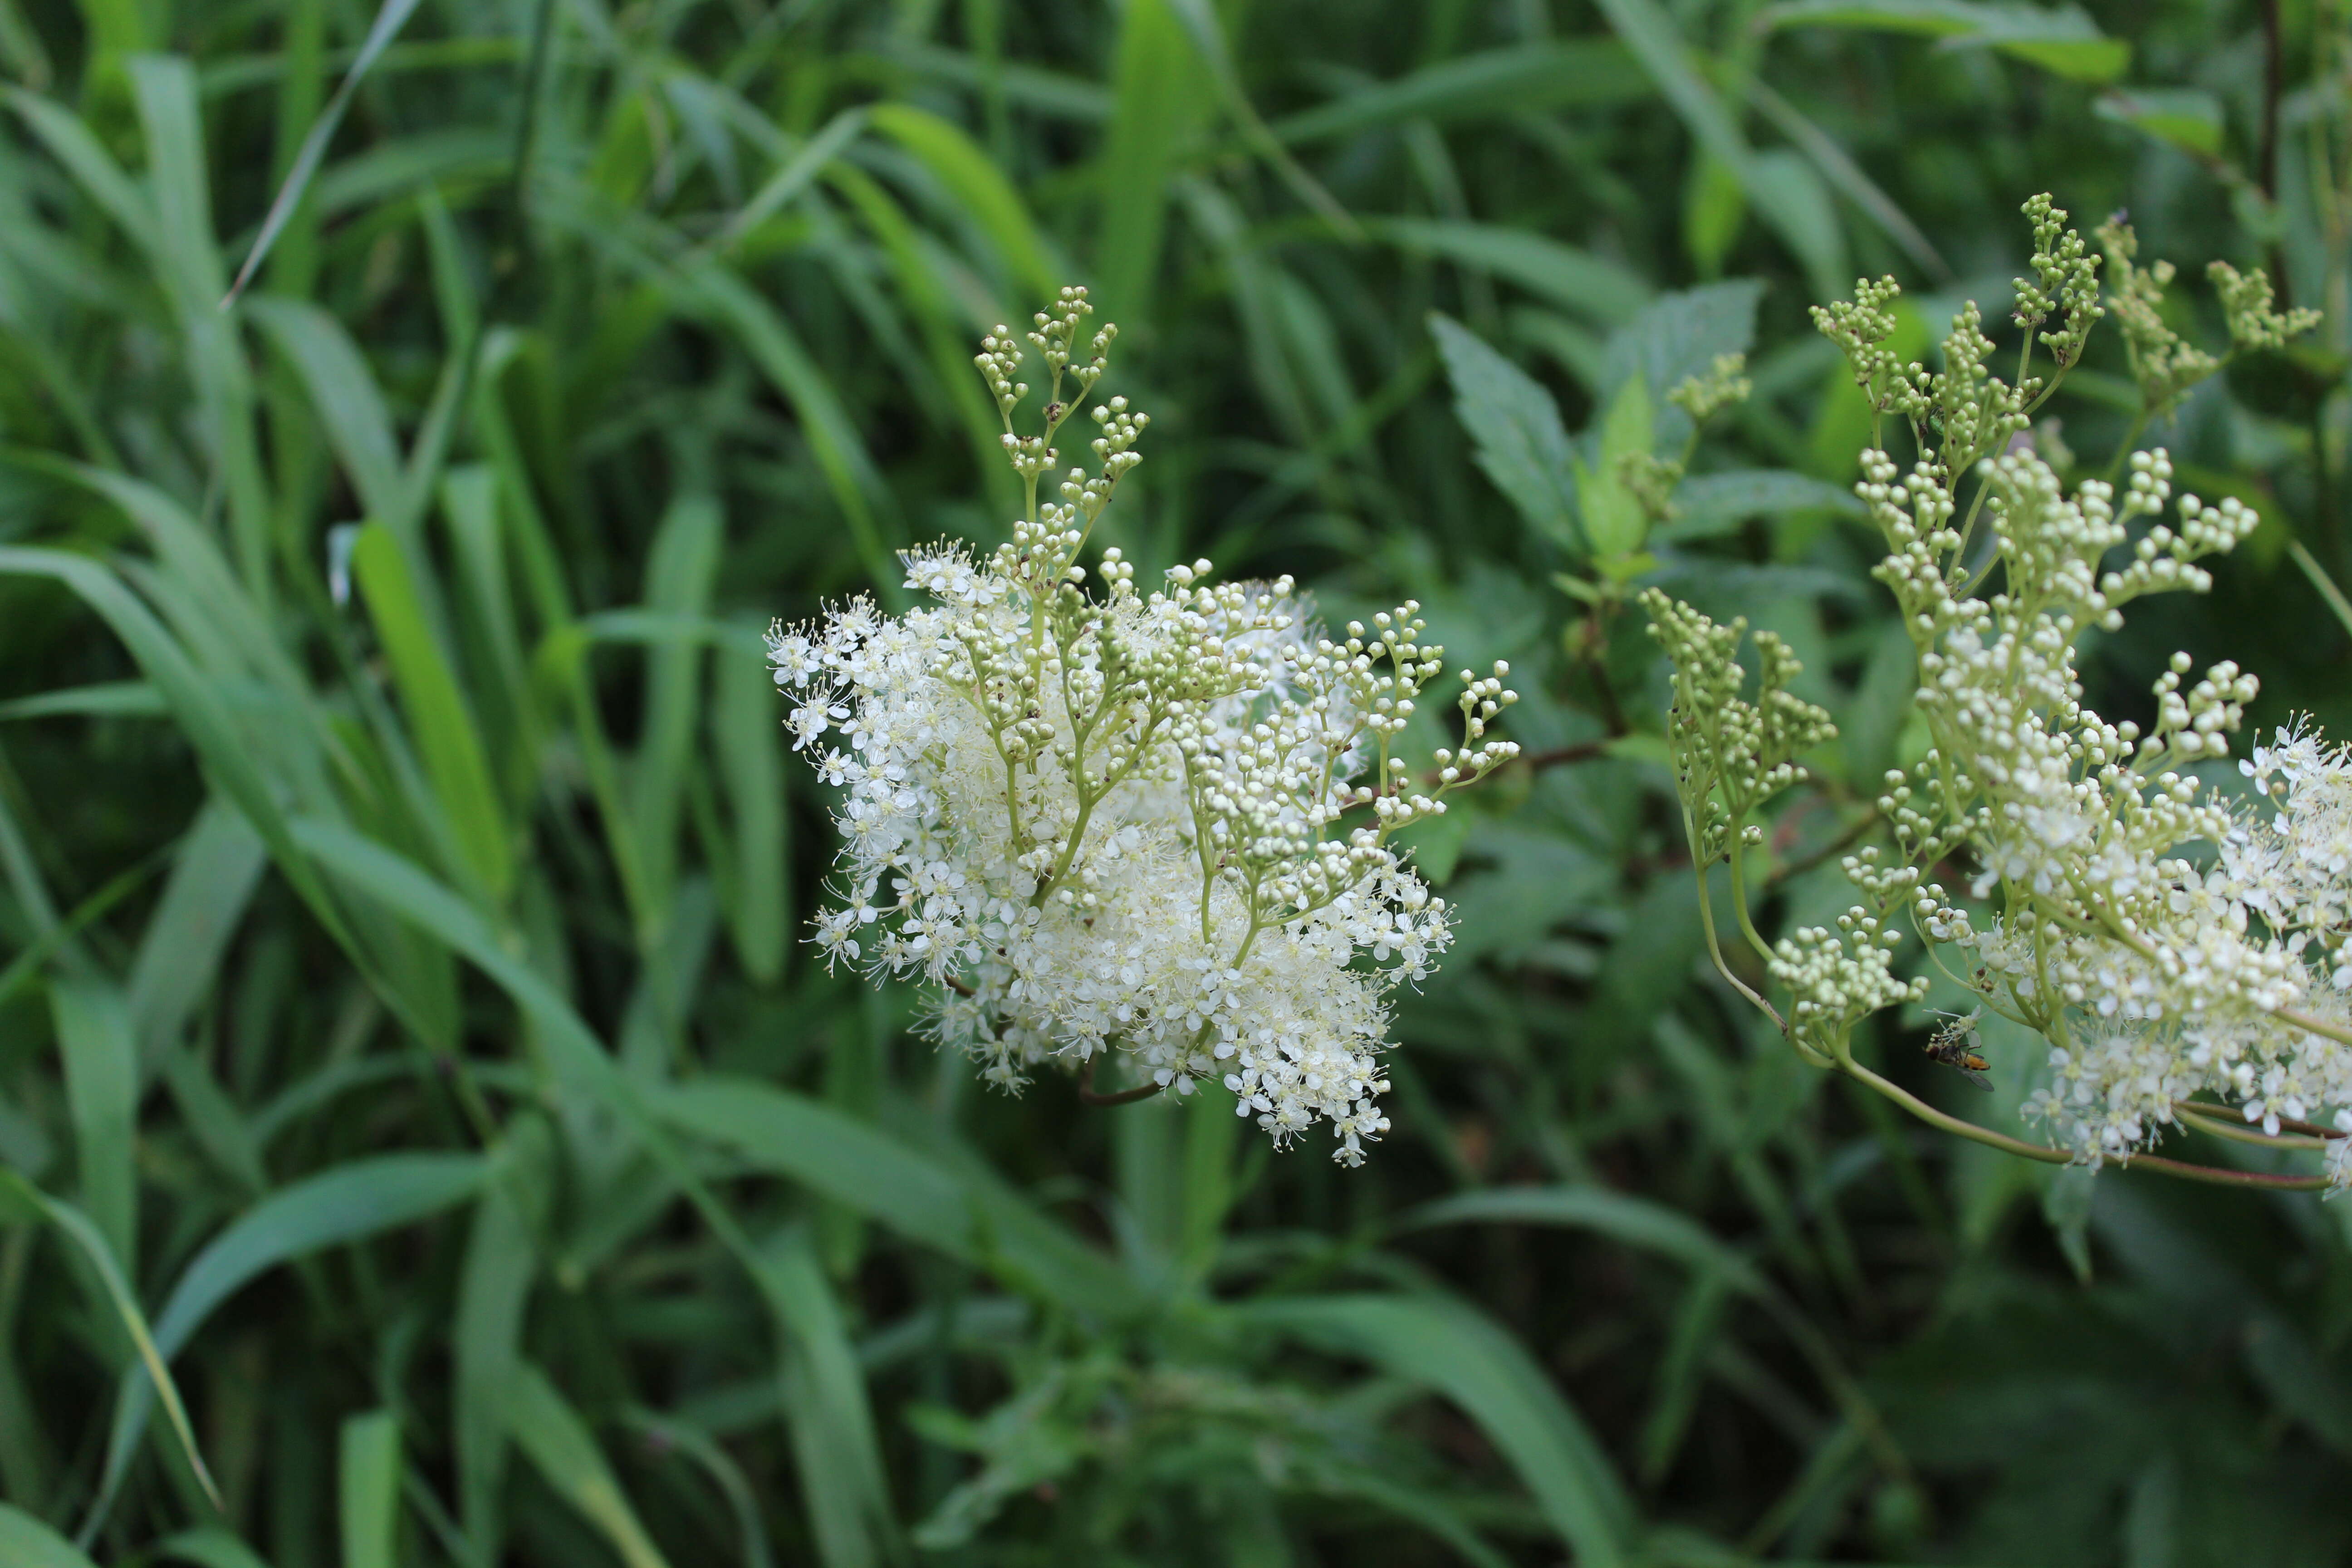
(1130, 822)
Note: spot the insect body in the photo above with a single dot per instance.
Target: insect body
(1954, 1044)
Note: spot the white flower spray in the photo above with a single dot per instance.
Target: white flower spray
(1158, 825)
(2169, 943)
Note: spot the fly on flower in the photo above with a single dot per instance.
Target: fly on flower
(1953, 1045)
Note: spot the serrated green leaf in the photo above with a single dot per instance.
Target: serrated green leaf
(1708, 505)
(1615, 522)
(1522, 445)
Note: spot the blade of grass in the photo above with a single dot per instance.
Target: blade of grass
(344, 1203)
(92, 167)
(26, 1543)
(1446, 1346)
(99, 699)
(21, 1199)
(209, 1548)
(681, 572)
(579, 1061)
(2322, 582)
(976, 184)
(368, 1490)
(438, 715)
(942, 1206)
(560, 1447)
(1159, 110)
(493, 1293)
(1584, 284)
(724, 1472)
(348, 404)
(102, 1092)
(389, 19)
(748, 743)
(1529, 77)
(793, 176)
(187, 256)
(834, 1446)
(469, 504)
(180, 952)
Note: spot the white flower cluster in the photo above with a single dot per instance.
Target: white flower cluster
(2169, 943)
(1130, 821)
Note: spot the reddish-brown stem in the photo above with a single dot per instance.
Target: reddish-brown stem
(2221, 1177)
(1087, 1094)
(2231, 1113)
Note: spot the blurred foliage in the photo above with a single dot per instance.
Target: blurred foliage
(407, 1042)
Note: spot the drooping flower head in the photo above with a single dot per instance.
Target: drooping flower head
(2173, 945)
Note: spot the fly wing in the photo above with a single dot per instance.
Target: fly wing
(1977, 1078)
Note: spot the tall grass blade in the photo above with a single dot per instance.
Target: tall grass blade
(493, 1293)
(368, 1492)
(390, 18)
(1158, 112)
(26, 1543)
(438, 715)
(750, 745)
(968, 1218)
(20, 1199)
(1446, 1346)
(208, 1548)
(966, 173)
(102, 1089)
(563, 1450)
(344, 1203)
(179, 954)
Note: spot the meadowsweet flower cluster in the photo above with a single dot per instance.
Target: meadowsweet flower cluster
(1156, 824)
(2170, 941)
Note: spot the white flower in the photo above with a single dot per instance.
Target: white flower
(1127, 821)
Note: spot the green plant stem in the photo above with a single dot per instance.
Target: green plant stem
(2320, 580)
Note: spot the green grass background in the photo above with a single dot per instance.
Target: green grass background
(405, 1035)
